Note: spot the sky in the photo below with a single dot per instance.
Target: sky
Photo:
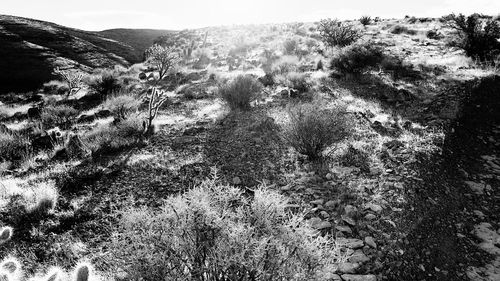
(96, 15)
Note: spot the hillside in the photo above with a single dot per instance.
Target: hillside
(32, 48)
(139, 39)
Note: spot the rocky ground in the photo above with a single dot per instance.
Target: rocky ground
(423, 205)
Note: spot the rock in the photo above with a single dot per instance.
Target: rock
(76, 148)
(370, 217)
(34, 113)
(143, 76)
(359, 257)
(317, 202)
(374, 207)
(236, 181)
(266, 80)
(348, 267)
(103, 113)
(284, 93)
(332, 277)
(319, 224)
(478, 188)
(351, 243)
(370, 242)
(344, 229)
(393, 144)
(350, 211)
(331, 204)
(193, 131)
(86, 118)
(329, 176)
(350, 277)
(349, 220)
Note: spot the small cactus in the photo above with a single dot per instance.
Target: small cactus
(55, 274)
(10, 269)
(5, 234)
(82, 272)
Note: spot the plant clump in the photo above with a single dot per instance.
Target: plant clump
(240, 91)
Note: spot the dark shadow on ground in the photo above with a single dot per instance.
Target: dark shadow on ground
(245, 144)
(439, 218)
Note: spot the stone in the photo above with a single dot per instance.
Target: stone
(329, 176)
(103, 113)
(374, 207)
(370, 217)
(193, 131)
(34, 113)
(370, 242)
(348, 267)
(350, 211)
(349, 220)
(75, 147)
(478, 188)
(318, 223)
(331, 204)
(86, 118)
(350, 277)
(343, 228)
(236, 181)
(359, 257)
(351, 243)
(143, 76)
(317, 202)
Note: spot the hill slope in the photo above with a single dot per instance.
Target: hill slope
(32, 48)
(139, 39)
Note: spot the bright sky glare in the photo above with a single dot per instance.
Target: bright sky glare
(98, 15)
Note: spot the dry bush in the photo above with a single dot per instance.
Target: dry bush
(334, 33)
(44, 200)
(357, 57)
(479, 38)
(105, 83)
(290, 46)
(122, 105)
(365, 20)
(311, 129)
(215, 232)
(240, 92)
(296, 80)
(58, 115)
(110, 138)
(398, 29)
(55, 87)
(13, 147)
(162, 58)
(284, 65)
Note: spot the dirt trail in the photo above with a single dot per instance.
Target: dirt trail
(454, 217)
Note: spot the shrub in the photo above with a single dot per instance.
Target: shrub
(310, 129)
(13, 147)
(334, 33)
(239, 92)
(290, 46)
(162, 58)
(433, 34)
(122, 105)
(58, 115)
(285, 64)
(107, 139)
(105, 84)
(357, 57)
(44, 201)
(477, 37)
(215, 232)
(297, 80)
(55, 87)
(398, 29)
(365, 20)
(356, 158)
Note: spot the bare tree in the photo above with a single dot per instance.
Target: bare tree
(156, 100)
(72, 77)
(163, 58)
